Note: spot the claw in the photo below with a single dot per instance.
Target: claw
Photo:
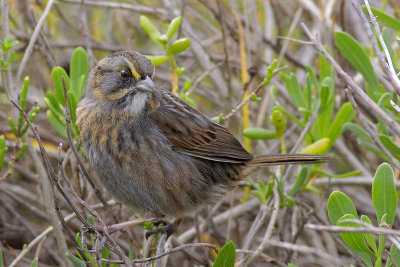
(168, 228)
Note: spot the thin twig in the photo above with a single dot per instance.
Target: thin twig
(75, 151)
(387, 66)
(181, 247)
(36, 241)
(51, 175)
(270, 227)
(134, 8)
(370, 131)
(347, 229)
(241, 104)
(33, 39)
(307, 250)
(290, 32)
(355, 89)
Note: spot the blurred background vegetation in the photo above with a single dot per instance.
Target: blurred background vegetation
(284, 76)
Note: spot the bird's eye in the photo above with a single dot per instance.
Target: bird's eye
(126, 73)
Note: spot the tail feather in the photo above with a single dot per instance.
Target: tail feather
(283, 159)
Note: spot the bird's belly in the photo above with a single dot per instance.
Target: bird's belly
(156, 180)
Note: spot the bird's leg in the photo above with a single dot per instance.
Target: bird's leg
(147, 218)
(169, 228)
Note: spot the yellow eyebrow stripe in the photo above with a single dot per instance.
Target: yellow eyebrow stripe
(134, 72)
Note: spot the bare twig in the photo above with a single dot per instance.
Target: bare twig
(36, 241)
(387, 66)
(347, 229)
(308, 250)
(181, 247)
(290, 32)
(51, 175)
(33, 39)
(370, 131)
(244, 101)
(355, 89)
(134, 8)
(270, 227)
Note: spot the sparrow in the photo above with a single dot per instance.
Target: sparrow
(153, 151)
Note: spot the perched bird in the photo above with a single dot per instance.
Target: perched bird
(153, 151)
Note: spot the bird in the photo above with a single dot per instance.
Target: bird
(154, 152)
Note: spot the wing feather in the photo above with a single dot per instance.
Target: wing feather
(192, 133)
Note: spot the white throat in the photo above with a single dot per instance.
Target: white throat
(137, 104)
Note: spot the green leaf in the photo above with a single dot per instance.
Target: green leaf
(31, 116)
(72, 103)
(395, 255)
(226, 256)
(56, 74)
(321, 126)
(158, 60)
(373, 148)
(294, 90)
(317, 147)
(188, 100)
(52, 102)
(369, 236)
(3, 151)
(270, 72)
(58, 115)
(187, 85)
(325, 68)
(22, 151)
(299, 182)
(22, 101)
(56, 124)
(290, 116)
(79, 66)
(352, 239)
(259, 195)
(35, 262)
(384, 193)
(383, 100)
(387, 39)
(344, 115)
(12, 125)
(90, 219)
(279, 122)
(173, 26)
(24, 93)
(343, 175)
(388, 143)
(1, 258)
(359, 59)
(78, 240)
(384, 18)
(179, 46)
(81, 86)
(357, 131)
(75, 260)
(339, 204)
(259, 133)
(149, 28)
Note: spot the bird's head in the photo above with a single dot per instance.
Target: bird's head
(123, 80)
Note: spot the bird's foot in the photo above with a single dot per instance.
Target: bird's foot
(168, 228)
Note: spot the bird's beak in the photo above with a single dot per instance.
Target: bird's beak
(145, 85)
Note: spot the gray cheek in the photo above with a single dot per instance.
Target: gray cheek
(109, 82)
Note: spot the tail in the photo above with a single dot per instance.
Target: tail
(283, 159)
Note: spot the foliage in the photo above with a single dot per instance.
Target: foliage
(74, 84)
(342, 212)
(300, 102)
(226, 256)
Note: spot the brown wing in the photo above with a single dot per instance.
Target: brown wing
(192, 133)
